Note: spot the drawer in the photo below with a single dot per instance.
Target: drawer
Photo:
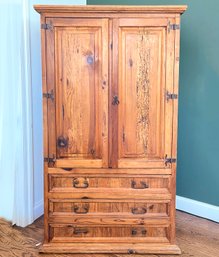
(99, 186)
(120, 233)
(70, 182)
(68, 207)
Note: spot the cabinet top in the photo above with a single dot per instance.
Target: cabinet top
(110, 8)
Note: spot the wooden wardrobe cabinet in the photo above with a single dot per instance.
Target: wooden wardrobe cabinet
(110, 89)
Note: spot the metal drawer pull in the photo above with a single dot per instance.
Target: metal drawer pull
(67, 169)
(84, 209)
(144, 232)
(76, 183)
(134, 232)
(78, 231)
(139, 210)
(131, 251)
(143, 185)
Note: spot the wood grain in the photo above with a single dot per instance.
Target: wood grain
(131, 182)
(81, 91)
(141, 79)
(111, 9)
(107, 220)
(196, 237)
(109, 172)
(113, 193)
(110, 127)
(170, 55)
(175, 123)
(150, 209)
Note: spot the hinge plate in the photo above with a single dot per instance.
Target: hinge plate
(50, 160)
(170, 96)
(169, 160)
(46, 26)
(173, 26)
(49, 95)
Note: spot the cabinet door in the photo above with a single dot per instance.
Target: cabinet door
(77, 75)
(143, 58)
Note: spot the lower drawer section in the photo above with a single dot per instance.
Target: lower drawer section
(83, 233)
(106, 207)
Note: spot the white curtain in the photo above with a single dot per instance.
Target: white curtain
(21, 158)
(16, 153)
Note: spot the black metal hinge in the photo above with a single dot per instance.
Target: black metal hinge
(173, 26)
(49, 95)
(50, 160)
(169, 160)
(170, 96)
(46, 26)
(111, 45)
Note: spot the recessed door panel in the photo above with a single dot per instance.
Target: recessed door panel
(144, 114)
(81, 92)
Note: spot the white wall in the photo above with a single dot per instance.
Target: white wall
(37, 99)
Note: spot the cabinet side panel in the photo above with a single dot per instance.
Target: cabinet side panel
(175, 129)
(45, 129)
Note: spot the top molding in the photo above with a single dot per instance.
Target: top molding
(110, 8)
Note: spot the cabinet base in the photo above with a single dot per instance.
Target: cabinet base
(110, 248)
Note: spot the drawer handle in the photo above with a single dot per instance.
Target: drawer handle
(131, 251)
(134, 232)
(76, 183)
(84, 210)
(67, 169)
(139, 210)
(143, 185)
(78, 231)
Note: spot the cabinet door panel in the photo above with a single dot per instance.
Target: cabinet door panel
(80, 59)
(144, 116)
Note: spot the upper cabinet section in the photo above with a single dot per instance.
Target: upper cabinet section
(109, 81)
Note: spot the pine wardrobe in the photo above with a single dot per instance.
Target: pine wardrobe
(110, 97)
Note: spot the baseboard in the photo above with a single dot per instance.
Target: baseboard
(197, 208)
(38, 210)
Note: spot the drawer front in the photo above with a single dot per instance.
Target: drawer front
(70, 181)
(83, 233)
(87, 208)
